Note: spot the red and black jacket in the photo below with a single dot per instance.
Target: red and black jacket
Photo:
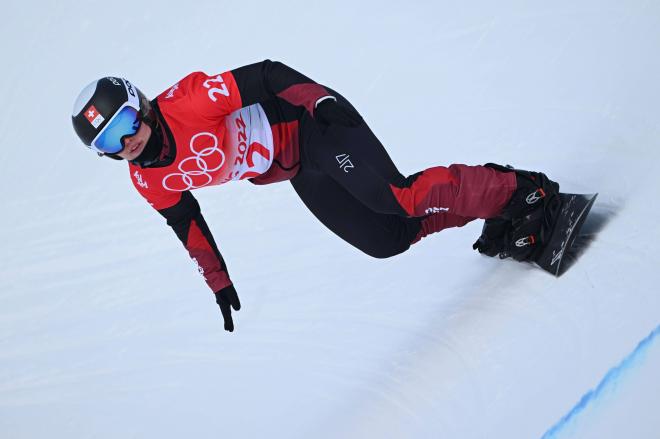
(241, 124)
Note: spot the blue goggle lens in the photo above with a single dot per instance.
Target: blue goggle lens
(125, 124)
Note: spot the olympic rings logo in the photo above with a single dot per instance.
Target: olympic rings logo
(208, 159)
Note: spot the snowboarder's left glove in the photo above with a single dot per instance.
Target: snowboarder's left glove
(495, 237)
(330, 112)
(227, 298)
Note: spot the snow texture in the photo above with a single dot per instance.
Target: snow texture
(107, 331)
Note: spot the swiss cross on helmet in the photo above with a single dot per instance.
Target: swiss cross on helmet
(107, 111)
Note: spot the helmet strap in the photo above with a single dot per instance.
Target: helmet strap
(111, 156)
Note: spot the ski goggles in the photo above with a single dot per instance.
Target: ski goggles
(124, 123)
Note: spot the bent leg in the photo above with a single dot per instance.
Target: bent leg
(377, 234)
(357, 161)
(472, 191)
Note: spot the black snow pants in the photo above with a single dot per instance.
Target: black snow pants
(348, 181)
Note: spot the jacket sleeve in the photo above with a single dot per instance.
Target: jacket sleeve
(271, 79)
(185, 217)
(212, 97)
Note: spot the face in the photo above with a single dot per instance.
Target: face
(134, 145)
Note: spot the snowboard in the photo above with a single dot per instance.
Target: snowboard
(572, 214)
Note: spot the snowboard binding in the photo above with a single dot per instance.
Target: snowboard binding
(526, 222)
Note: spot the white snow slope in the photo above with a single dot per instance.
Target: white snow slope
(107, 331)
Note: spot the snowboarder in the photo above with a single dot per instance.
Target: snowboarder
(267, 123)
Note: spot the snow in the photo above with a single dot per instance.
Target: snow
(106, 329)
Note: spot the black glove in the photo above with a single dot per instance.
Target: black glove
(331, 112)
(226, 297)
(494, 237)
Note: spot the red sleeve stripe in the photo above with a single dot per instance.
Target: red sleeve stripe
(304, 95)
(209, 265)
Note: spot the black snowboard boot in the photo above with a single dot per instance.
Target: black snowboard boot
(524, 225)
(528, 235)
(533, 190)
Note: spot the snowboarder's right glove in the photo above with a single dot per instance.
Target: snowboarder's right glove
(330, 112)
(227, 298)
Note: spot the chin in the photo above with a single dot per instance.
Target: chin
(128, 157)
